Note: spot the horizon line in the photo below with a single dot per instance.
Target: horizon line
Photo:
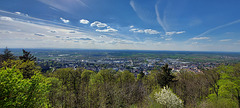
(126, 50)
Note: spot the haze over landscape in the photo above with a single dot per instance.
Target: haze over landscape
(184, 25)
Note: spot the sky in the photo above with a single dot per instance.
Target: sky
(174, 25)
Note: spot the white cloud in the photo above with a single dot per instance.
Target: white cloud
(180, 32)
(131, 26)
(200, 38)
(147, 31)
(64, 20)
(225, 40)
(174, 32)
(6, 18)
(168, 39)
(109, 29)
(136, 30)
(150, 31)
(84, 21)
(98, 24)
(18, 13)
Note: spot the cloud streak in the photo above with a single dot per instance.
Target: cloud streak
(159, 20)
(174, 32)
(200, 38)
(218, 27)
(225, 40)
(68, 6)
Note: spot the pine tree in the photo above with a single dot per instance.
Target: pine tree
(27, 56)
(165, 76)
(6, 55)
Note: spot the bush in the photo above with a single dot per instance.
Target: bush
(167, 98)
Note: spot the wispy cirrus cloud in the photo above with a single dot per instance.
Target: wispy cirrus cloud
(174, 32)
(225, 40)
(133, 5)
(200, 38)
(141, 11)
(64, 20)
(161, 21)
(68, 6)
(218, 27)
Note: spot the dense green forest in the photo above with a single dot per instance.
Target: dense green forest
(22, 84)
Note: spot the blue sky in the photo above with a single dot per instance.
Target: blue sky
(182, 25)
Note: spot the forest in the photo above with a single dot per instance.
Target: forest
(23, 84)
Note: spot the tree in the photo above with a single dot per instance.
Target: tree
(28, 68)
(165, 77)
(71, 79)
(168, 99)
(228, 88)
(191, 87)
(15, 91)
(140, 75)
(6, 55)
(27, 56)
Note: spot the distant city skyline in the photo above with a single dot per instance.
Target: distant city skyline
(176, 25)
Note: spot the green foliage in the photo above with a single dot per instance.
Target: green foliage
(71, 79)
(22, 85)
(28, 68)
(57, 93)
(85, 76)
(126, 77)
(218, 102)
(229, 88)
(19, 92)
